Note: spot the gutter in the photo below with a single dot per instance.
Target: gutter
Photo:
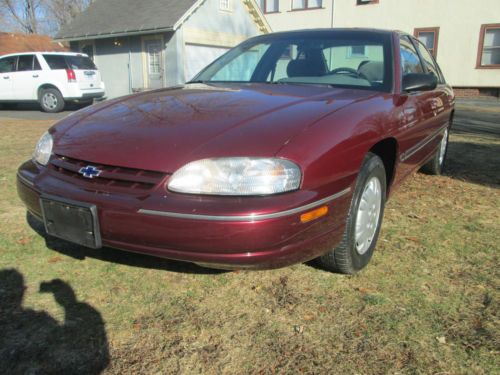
(111, 35)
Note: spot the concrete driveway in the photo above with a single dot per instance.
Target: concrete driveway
(478, 116)
(33, 112)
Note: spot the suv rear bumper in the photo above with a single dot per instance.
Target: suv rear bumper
(87, 96)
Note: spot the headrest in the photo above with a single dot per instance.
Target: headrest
(372, 70)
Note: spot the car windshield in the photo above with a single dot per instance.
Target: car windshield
(345, 59)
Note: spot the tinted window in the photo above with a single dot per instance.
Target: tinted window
(8, 64)
(56, 61)
(429, 62)
(410, 62)
(80, 62)
(36, 64)
(344, 59)
(25, 63)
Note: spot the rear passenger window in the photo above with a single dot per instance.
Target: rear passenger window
(8, 64)
(80, 62)
(25, 63)
(430, 65)
(56, 62)
(410, 62)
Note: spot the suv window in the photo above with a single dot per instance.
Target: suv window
(8, 64)
(55, 62)
(410, 62)
(80, 62)
(429, 62)
(25, 63)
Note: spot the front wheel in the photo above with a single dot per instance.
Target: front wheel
(51, 101)
(363, 222)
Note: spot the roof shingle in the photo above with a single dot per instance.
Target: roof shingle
(109, 17)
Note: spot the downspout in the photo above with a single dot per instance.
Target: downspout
(129, 66)
(333, 4)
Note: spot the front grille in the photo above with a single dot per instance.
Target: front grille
(111, 177)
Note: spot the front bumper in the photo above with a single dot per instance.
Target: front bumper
(161, 226)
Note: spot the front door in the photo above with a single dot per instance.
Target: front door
(27, 78)
(154, 61)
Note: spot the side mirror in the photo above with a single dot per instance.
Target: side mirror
(419, 82)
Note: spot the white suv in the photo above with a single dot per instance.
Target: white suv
(51, 78)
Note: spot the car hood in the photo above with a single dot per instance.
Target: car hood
(164, 129)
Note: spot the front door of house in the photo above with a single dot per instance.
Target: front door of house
(154, 61)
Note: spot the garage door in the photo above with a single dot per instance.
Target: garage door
(197, 57)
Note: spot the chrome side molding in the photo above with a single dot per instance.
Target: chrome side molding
(250, 217)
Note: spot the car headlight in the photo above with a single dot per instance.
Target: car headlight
(236, 176)
(43, 149)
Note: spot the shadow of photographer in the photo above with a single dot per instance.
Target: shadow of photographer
(34, 342)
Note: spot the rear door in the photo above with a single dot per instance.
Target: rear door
(419, 110)
(26, 79)
(438, 99)
(86, 73)
(7, 67)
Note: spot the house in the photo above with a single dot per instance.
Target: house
(16, 43)
(463, 35)
(149, 44)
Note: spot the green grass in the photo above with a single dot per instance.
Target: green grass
(427, 304)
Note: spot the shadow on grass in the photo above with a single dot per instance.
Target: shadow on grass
(33, 342)
(476, 162)
(107, 254)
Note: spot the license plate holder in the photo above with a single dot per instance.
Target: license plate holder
(72, 221)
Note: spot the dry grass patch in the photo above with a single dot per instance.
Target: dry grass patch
(428, 302)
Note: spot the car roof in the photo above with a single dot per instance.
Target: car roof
(337, 30)
(332, 31)
(46, 53)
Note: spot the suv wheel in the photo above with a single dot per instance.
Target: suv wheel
(51, 101)
(363, 222)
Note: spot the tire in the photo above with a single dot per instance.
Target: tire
(435, 165)
(356, 248)
(51, 101)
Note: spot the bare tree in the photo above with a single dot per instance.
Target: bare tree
(39, 16)
(62, 12)
(24, 13)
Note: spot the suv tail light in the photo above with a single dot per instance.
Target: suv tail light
(71, 75)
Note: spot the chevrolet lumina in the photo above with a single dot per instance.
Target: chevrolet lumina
(283, 150)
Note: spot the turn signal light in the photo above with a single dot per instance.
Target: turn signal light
(314, 214)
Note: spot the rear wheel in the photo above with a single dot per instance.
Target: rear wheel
(51, 101)
(363, 222)
(436, 164)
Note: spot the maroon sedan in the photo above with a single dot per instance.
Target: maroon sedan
(283, 150)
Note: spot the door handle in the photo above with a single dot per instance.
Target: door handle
(35, 75)
(6, 77)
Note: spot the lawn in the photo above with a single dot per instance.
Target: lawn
(427, 304)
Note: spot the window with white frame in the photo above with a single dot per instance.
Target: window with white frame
(306, 4)
(489, 47)
(269, 6)
(225, 4)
